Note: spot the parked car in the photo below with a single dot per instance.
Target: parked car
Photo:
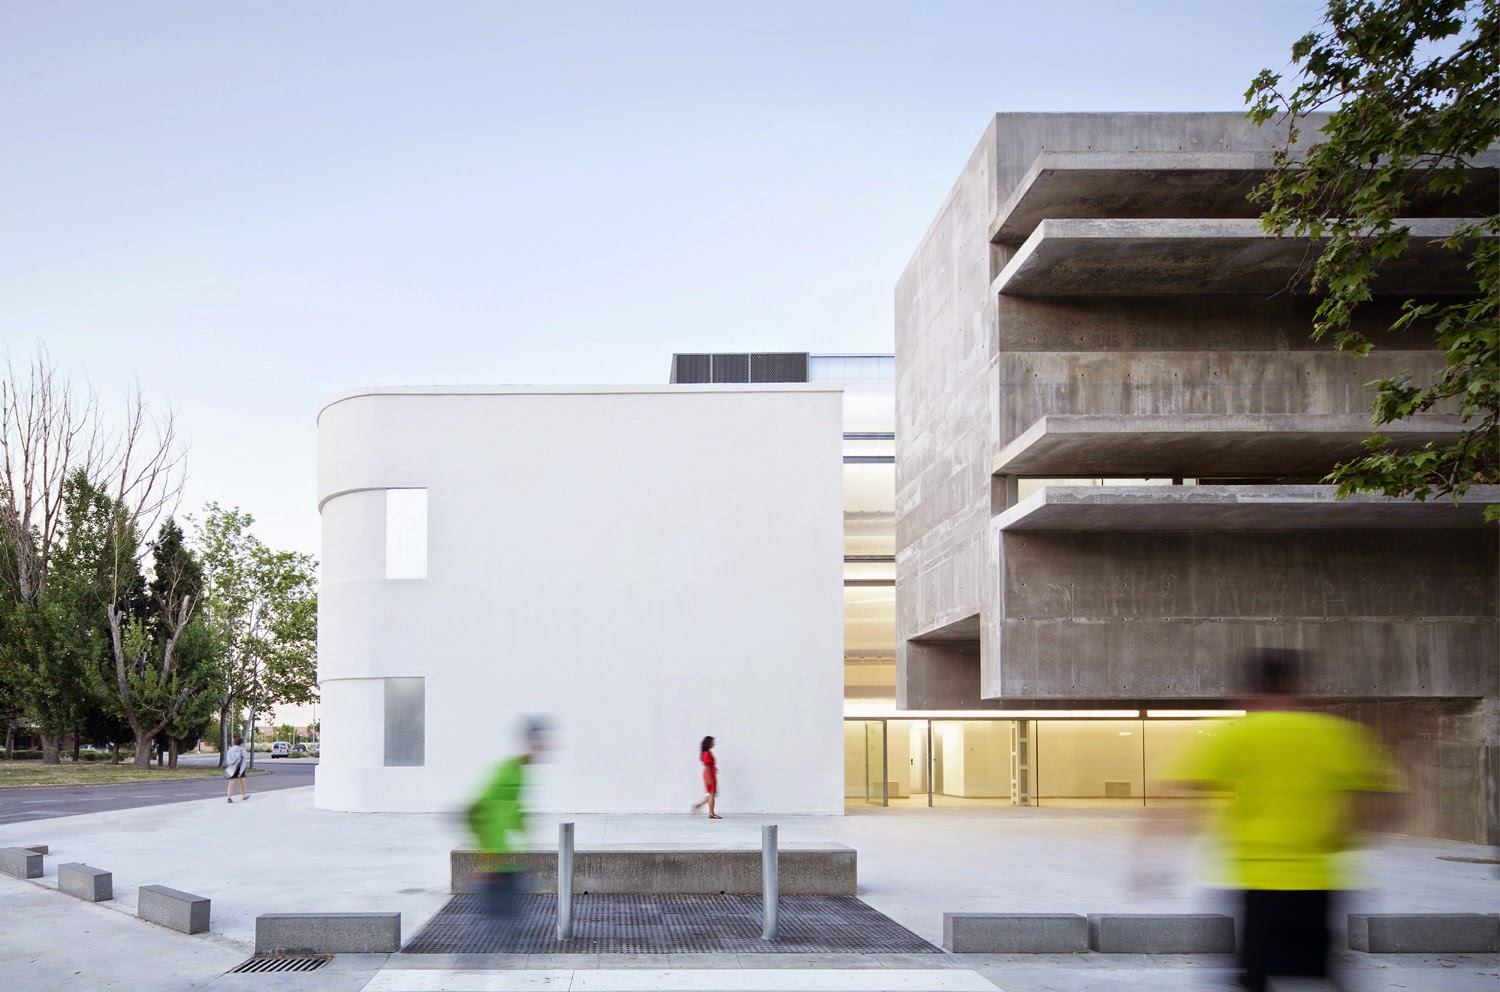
(281, 749)
(299, 748)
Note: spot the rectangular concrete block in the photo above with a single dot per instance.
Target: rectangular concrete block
(1161, 933)
(805, 870)
(1015, 933)
(328, 933)
(20, 863)
(36, 848)
(1424, 933)
(82, 882)
(173, 909)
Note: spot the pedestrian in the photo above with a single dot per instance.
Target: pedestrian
(235, 761)
(710, 778)
(498, 821)
(1302, 785)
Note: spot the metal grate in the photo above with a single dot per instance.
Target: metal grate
(262, 965)
(786, 366)
(668, 925)
(690, 368)
(730, 368)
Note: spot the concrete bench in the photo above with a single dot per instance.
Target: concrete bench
(170, 908)
(328, 933)
(1164, 933)
(83, 882)
(19, 862)
(1015, 933)
(1424, 933)
(804, 869)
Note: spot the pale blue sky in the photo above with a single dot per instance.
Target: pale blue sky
(251, 206)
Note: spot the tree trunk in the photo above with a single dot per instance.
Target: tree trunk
(250, 737)
(142, 750)
(75, 745)
(172, 761)
(10, 740)
(226, 727)
(116, 749)
(50, 745)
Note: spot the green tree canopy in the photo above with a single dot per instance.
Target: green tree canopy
(262, 608)
(1413, 88)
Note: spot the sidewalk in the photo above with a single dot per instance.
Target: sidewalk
(277, 853)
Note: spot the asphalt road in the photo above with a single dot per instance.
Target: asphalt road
(22, 804)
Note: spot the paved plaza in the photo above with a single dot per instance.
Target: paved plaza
(279, 854)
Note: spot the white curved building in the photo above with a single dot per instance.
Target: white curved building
(647, 565)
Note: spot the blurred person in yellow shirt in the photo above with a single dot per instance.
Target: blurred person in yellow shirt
(1302, 785)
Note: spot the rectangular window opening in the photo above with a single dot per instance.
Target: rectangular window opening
(406, 533)
(405, 722)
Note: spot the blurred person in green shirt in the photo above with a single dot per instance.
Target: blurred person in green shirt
(498, 821)
(1302, 785)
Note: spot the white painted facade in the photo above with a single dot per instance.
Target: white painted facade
(646, 565)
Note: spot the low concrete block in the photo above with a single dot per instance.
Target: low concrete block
(20, 863)
(1161, 933)
(82, 882)
(328, 933)
(1424, 933)
(1015, 933)
(173, 909)
(804, 869)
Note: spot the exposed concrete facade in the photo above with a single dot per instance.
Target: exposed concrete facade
(1095, 301)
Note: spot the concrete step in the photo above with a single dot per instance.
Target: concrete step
(825, 869)
(684, 980)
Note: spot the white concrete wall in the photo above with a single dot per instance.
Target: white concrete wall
(645, 564)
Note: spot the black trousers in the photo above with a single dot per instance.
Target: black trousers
(1286, 933)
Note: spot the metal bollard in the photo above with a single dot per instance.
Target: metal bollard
(770, 883)
(565, 881)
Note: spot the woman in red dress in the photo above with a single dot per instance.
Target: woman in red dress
(710, 778)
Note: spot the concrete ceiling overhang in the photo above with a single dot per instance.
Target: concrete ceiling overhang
(1164, 445)
(1171, 257)
(1107, 184)
(1208, 508)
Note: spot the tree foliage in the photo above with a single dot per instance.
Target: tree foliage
(261, 606)
(1413, 91)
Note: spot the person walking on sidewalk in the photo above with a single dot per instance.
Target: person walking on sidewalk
(1303, 784)
(235, 761)
(498, 821)
(710, 778)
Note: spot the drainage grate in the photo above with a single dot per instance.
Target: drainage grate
(261, 965)
(668, 925)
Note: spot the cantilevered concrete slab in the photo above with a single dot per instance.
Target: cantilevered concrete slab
(1157, 257)
(1127, 508)
(1138, 446)
(1140, 184)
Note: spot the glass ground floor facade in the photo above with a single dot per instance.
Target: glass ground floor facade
(1100, 758)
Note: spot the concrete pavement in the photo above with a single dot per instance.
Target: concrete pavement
(279, 854)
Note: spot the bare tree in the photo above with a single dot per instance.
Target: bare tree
(47, 430)
(50, 430)
(145, 482)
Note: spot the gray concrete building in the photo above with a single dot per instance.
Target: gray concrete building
(1111, 424)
